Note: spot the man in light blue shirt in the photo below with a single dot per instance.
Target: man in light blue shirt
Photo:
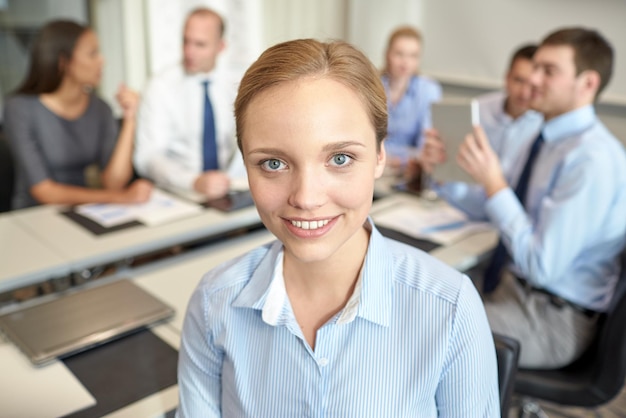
(509, 124)
(563, 234)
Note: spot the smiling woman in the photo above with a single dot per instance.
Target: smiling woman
(344, 321)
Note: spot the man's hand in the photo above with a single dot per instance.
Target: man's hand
(480, 161)
(213, 184)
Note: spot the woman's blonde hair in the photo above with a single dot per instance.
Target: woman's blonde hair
(293, 60)
(400, 32)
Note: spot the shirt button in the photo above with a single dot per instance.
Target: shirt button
(323, 362)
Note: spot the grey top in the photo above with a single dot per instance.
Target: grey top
(46, 146)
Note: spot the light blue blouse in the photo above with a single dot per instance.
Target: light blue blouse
(411, 115)
(413, 340)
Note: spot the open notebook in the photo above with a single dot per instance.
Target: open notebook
(78, 320)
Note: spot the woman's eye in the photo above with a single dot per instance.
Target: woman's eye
(340, 159)
(272, 164)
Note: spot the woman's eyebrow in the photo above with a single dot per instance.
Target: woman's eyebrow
(271, 151)
(334, 146)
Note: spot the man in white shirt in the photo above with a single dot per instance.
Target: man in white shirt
(171, 125)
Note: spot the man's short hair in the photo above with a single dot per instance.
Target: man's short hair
(205, 11)
(591, 51)
(524, 52)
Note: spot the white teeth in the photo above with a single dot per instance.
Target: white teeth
(309, 224)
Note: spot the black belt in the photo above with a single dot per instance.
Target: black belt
(555, 300)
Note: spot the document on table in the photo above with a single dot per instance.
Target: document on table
(442, 224)
(161, 208)
(28, 391)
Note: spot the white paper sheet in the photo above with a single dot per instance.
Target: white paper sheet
(442, 224)
(162, 207)
(27, 391)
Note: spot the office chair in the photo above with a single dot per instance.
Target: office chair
(7, 174)
(592, 380)
(507, 354)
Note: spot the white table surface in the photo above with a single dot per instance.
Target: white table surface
(81, 249)
(172, 280)
(24, 258)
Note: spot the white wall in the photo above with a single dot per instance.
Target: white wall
(485, 31)
(371, 21)
(292, 19)
(467, 42)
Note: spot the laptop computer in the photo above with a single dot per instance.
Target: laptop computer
(81, 319)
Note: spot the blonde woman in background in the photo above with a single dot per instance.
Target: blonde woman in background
(409, 95)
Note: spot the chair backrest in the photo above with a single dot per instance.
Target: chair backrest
(608, 355)
(507, 353)
(598, 375)
(7, 174)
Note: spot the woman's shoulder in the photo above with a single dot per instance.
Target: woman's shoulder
(421, 271)
(22, 106)
(235, 272)
(21, 100)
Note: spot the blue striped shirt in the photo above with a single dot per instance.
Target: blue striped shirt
(413, 340)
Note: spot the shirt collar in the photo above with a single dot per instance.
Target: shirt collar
(201, 77)
(504, 117)
(371, 299)
(569, 124)
(411, 89)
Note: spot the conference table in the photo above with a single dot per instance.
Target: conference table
(85, 385)
(43, 243)
(24, 258)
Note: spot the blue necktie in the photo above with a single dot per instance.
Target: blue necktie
(500, 254)
(209, 146)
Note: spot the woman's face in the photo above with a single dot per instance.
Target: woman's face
(403, 58)
(85, 65)
(311, 156)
